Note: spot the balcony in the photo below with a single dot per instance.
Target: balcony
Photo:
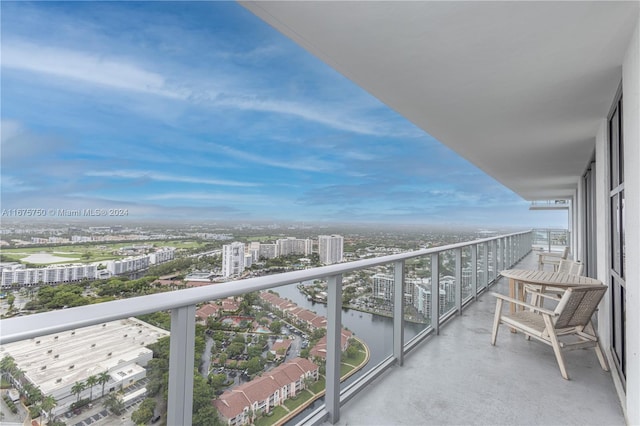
(458, 378)
(445, 374)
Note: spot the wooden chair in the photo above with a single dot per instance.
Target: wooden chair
(570, 267)
(566, 266)
(552, 258)
(571, 320)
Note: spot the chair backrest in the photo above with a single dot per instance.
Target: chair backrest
(570, 267)
(578, 304)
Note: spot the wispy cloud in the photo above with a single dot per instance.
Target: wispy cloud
(138, 174)
(307, 164)
(13, 184)
(123, 74)
(330, 115)
(220, 197)
(85, 67)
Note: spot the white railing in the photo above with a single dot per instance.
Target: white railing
(498, 253)
(551, 239)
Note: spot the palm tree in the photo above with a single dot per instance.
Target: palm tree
(114, 403)
(77, 388)
(91, 382)
(103, 378)
(33, 393)
(48, 404)
(8, 366)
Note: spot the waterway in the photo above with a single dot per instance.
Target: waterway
(375, 330)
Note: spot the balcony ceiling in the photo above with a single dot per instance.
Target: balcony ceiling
(517, 88)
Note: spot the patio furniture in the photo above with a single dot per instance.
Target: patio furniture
(551, 258)
(566, 266)
(567, 327)
(519, 277)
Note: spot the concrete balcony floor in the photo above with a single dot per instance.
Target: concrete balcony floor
(458, 378)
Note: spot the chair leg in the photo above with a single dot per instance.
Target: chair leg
(496, 321)
(598, 348)
(556, 346)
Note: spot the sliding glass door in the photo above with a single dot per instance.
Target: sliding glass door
(616, 237)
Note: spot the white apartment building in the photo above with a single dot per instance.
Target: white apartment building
(423, 300)
(137, 263)
(233, 258)
(330, 248)
(254, 251)
(382, 286)
(164, 254)
(130, 264)
(268, 251)
(18, 275)
(291, 245)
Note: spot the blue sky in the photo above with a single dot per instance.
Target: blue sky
(199, 110)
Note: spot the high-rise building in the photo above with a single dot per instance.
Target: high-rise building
(254, 251)
(383, 286)
(291, 245)
(422, 299)
(330, 248)
(233, 259)
(268, 251)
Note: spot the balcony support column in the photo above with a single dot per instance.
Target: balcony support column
(458, 278)
(500, 256)
(435, 293)
(485, 263)
(181, 354)
(398, 312)
(334, 350)
(474, 271)
(494, 254)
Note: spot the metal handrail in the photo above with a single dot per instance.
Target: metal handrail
(31, 326)
(506, 250)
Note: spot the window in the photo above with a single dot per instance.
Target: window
(616, 237)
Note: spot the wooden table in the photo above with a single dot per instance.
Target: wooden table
(542, 278)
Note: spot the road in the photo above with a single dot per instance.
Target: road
(206, 357)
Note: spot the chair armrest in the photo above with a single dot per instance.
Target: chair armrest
(526, 305)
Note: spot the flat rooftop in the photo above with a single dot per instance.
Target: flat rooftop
(58, 360)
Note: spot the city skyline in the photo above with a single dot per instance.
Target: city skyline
(202, 111)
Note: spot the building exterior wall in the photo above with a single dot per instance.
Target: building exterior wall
(233, 259)
(287, 246)
(25, 277)
(630, 393)
(631, 132)
(330, 248)
(383, 286)
(268, 251)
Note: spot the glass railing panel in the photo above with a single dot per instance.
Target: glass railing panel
(247, 336)
(550, 239)
(448, 283)
(291, 331)
(417, 298)
(491, 261)
(482, 265)
(466, 283)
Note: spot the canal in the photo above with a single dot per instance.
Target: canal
(375, 330)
